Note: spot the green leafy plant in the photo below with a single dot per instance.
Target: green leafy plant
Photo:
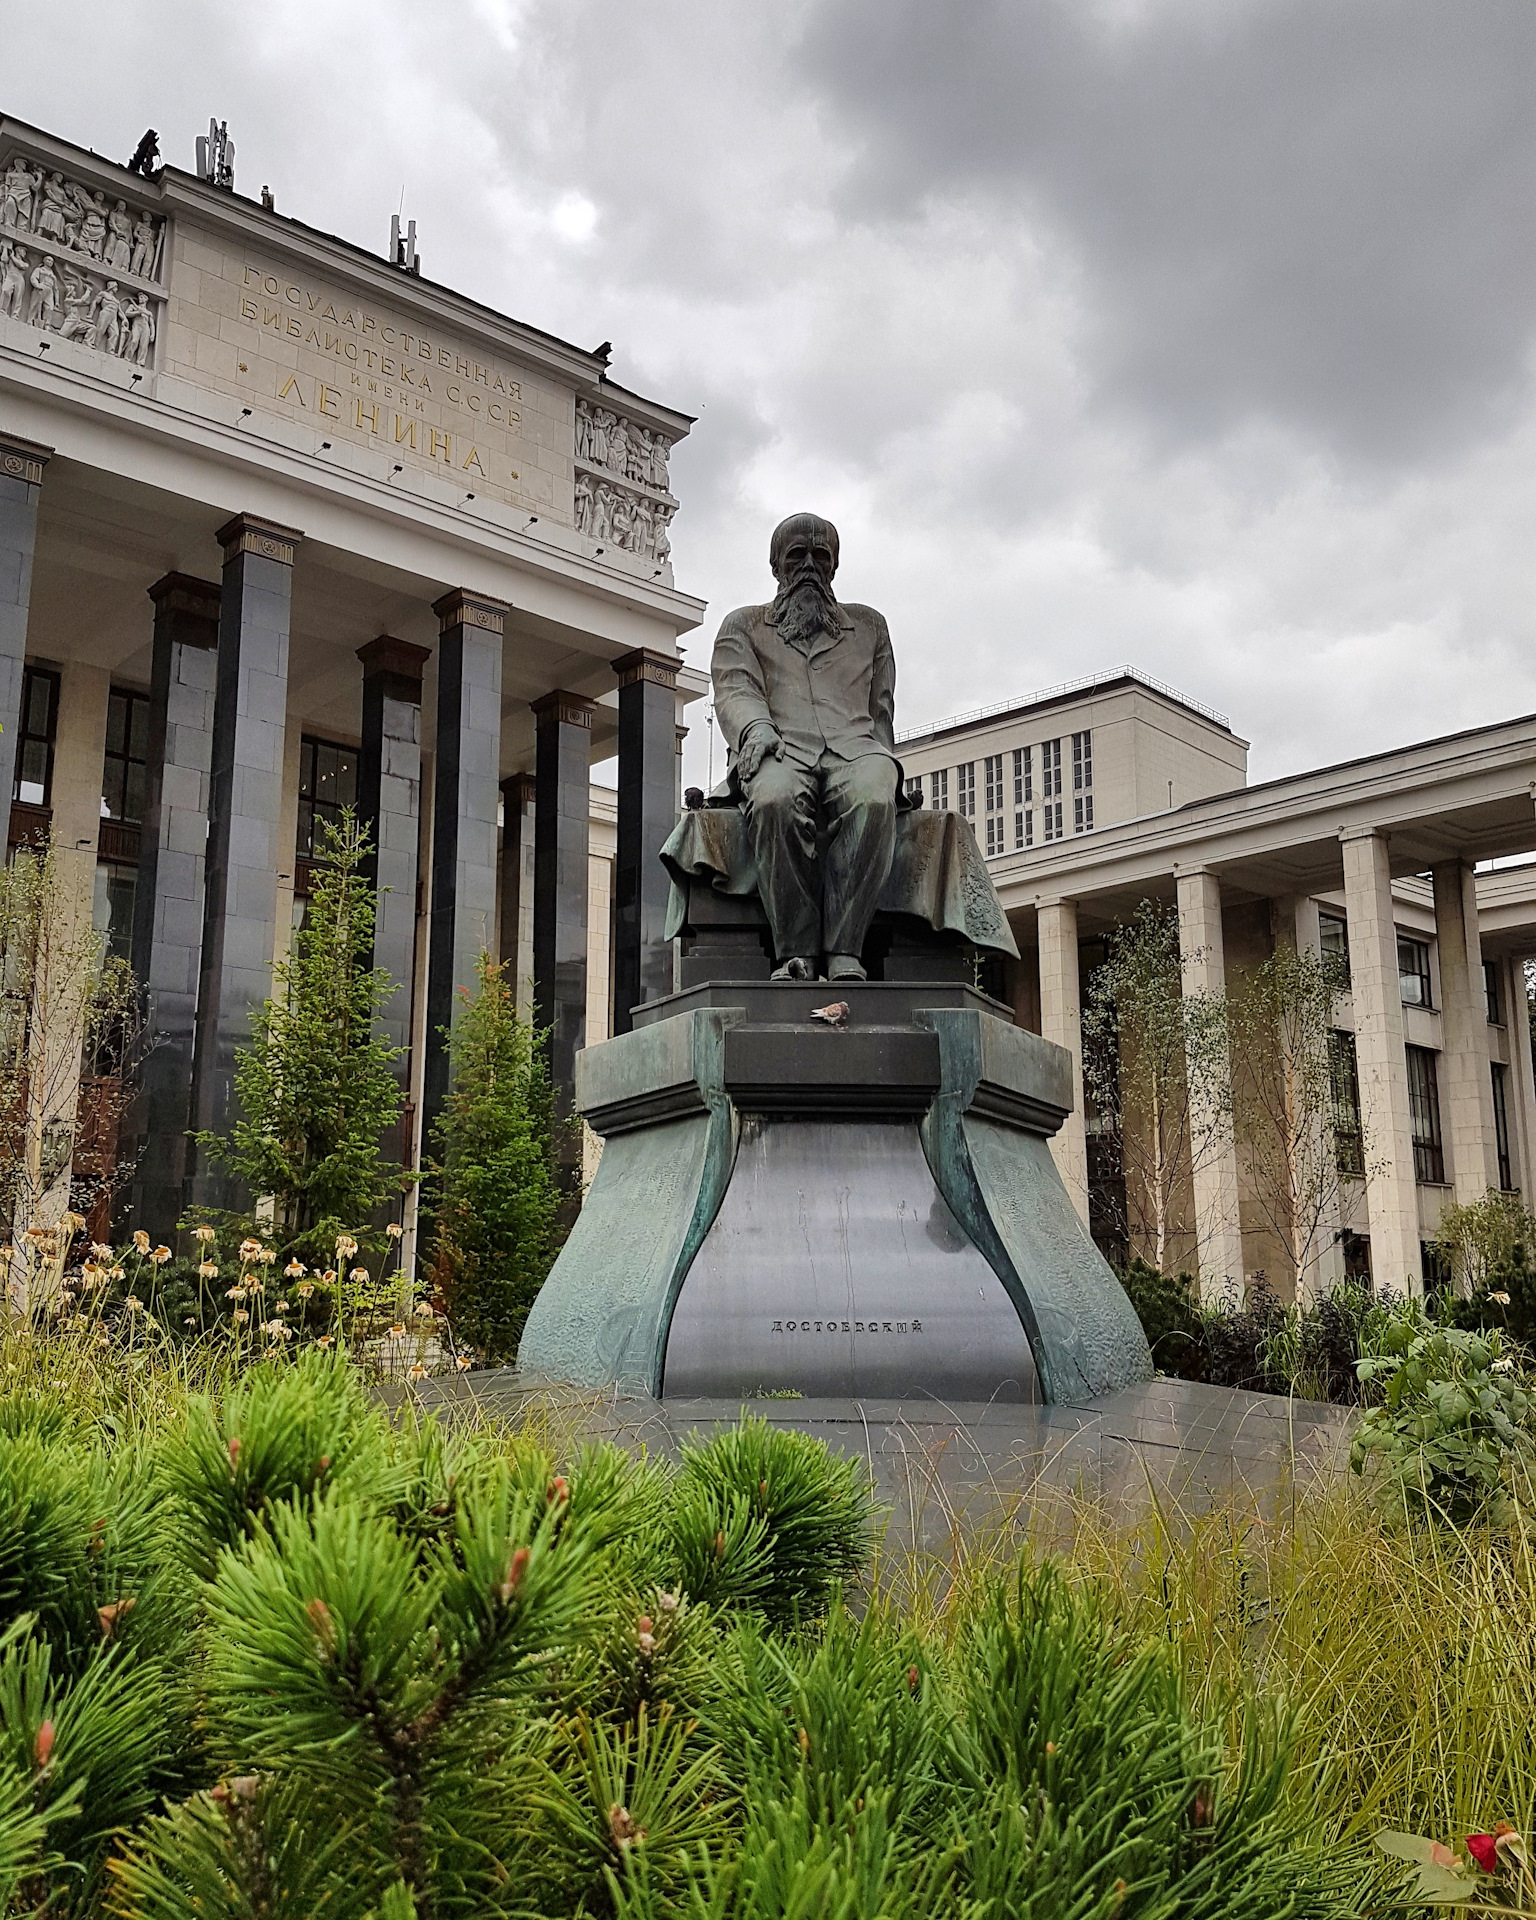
(494, 1194)
(1455, 1423)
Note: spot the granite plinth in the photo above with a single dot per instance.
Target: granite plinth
(945, 1468)
(783, 1206)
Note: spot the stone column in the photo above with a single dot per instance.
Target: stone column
(562, 815)
(1297, 921)
(465, 772)
(1392, 1201)
(1061, 1020)
(1203, 969)
(1522, 1072)
(389, 806)
(21, 483)
(641, 962)
(1466, 1084)
(250, 717)
(517, 797)
(168, 896)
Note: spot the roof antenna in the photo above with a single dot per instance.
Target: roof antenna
(402, 246)
(216, 156)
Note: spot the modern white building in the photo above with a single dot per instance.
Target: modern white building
(1091, 798)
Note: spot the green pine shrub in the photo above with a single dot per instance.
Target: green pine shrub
(494, 1193)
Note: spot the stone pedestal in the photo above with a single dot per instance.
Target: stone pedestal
(870, 1209)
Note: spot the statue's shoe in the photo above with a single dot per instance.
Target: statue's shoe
(845, 966)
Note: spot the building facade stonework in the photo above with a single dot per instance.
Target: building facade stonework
(283, 529)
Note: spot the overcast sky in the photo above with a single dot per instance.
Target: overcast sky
(1190, 333)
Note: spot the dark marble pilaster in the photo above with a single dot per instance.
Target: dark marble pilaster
(21, 483)
(647, 809)
(517, 798)
(244, 825)
(466, 770)
(562, 813)
(389, 807)
(168, 896)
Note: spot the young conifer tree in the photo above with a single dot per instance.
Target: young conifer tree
(317, 1085)
(495, 1192)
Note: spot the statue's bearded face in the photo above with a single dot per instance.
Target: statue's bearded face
(805, 605)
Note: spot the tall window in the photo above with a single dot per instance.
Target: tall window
(994, 770)
(1050, 817)
(1344, 1074)
(1413, 971)
(1424, 1111)
(327, 783)
(1082, 762)
(1024, 827)
(965, 789)
(1501, 1126)
(1023, 776)
(33, 782)
(1491, 992)
(995, 834)
(123, 769)
(1082, 813)
(1333, 937)
(112, 908)
(1050, 769)
(938, 790)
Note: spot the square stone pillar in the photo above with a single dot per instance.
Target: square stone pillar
(21, 484)
(562, 816)
(466, 770)
(1061, 1020)
(641, 965)
(250, 717)
(1391, 1196)
(1522, 1072)
(389, 806)
(1466, 1081)
(168, 897)
(517, 801)
(1203, 970)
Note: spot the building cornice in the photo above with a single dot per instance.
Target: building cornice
(248, 224)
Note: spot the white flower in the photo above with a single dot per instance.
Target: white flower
(1502, 1298)
(209, 1270)
(277, 1330)
(240, 1316)
(304, 1289)
(160, 1256)
(326, 1340)
(250, 1249)
(462, 1363)
(267, 1256)
(204, 1233)
(397, 1331)
(295, 1270)
(358, 1273)
(394, 1230)
(418, 1372)
(346, 1246)
(235, 1293)
(1504, 1366)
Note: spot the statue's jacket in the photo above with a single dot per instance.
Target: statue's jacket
(837, 694)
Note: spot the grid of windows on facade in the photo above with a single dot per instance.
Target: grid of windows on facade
(1333, 939)
(1491, 992)
(1082, 782)
(965, 789)
(1344, 1075)
(1501, 1126)
(938, 789)
(1413, 971)
(327, 783)
(32, 783)
(123, 770)
(1050, 789)
(1424, 1113)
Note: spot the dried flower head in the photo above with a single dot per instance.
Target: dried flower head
(277, 1330)
(394, 1229)
(397, 1331)
(117, 1274)
(346, 1246)
(418, 1372)
(249, 1249)
(204, 1233)
(1501, 1298)
(328, 1278)
(424, 1309)
(295, 1270)
(326, 1340)
(304, 1289)
(463, 1363)
(209, 1269)
(134, 1304)
(141, 1241)
(358, 1274)
(234, 1293)
(160, 1256)
(99, 1251)
(240, 1316)
(267, 1256)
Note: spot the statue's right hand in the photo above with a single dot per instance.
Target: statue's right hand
(759, 744)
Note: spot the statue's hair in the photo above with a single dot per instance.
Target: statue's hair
(803, 524)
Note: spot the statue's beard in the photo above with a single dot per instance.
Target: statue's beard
(804, 609)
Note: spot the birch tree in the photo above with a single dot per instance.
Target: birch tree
(1155, 1071)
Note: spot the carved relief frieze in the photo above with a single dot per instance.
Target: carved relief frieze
(622, 496)
(78, 265)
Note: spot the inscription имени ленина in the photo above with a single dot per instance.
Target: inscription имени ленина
(847, 1327)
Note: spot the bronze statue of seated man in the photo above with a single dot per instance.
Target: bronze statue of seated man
(805, 695)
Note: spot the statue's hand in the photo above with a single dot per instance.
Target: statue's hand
(762, 741)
